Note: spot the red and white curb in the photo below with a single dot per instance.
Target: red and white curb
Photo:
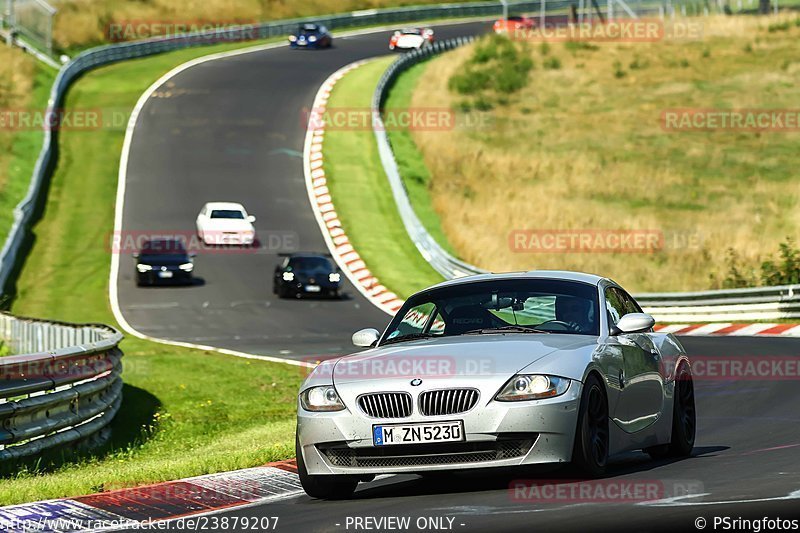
(733, 330)
(192, 497)
(322, 204)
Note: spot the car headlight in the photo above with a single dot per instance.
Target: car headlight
(312, 39)
(144, 268)
(187, 267)
(532, 387)
(323, 398)
(292, 38)
(334, 277)
(288, 276)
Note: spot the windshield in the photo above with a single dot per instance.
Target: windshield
(309, 264)
(308, 29)
(163, 250)
(227, 213)
(532, 305)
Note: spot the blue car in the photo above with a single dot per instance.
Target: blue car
(311, 36)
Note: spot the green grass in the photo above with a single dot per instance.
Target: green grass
(186, 412)
(23, 152)
(410, 162)
(362, 195)
(583, 148)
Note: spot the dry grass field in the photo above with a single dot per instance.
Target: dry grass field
(583, 147)
(84, 22)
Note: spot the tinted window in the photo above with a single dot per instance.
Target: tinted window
(163, 247)
(615, 305)
(306, 264)
(630, 304)
(227, 213)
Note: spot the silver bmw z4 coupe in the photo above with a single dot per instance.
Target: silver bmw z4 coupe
(497, 370)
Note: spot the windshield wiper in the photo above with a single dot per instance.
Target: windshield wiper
(411, 337)
(504, 329)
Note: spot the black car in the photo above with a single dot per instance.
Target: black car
(163, 261)
(311, 36)
(307, 273)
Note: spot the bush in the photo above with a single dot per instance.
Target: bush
(784, 271)
(497, 69)
(552, 63)
(737, 278)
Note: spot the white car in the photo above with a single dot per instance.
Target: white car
(411, 39)
(225, 223)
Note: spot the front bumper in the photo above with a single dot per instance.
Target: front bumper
(153, 277)
(329, 290)
(497, 434)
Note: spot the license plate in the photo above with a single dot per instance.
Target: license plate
(312, 288)
(418, 433)
(165, 274)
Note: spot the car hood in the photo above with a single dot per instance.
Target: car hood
(455, 358)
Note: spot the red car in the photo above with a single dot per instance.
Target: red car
(514, 25)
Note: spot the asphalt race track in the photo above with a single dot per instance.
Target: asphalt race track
(232, 129)
(748, 446)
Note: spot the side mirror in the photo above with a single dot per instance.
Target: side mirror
(634, 323)
(135, 255)
(366, 338)
(192, 255)
(251, 218)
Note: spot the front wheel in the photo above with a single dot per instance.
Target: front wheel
(590, 453)
(331, 487)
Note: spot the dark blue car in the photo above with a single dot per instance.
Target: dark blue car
(311, 36)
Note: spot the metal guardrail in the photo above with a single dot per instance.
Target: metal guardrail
(66, 388)
(759, 303)
(444, 263)
(104, 55)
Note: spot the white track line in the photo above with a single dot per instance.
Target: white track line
(123, 172)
